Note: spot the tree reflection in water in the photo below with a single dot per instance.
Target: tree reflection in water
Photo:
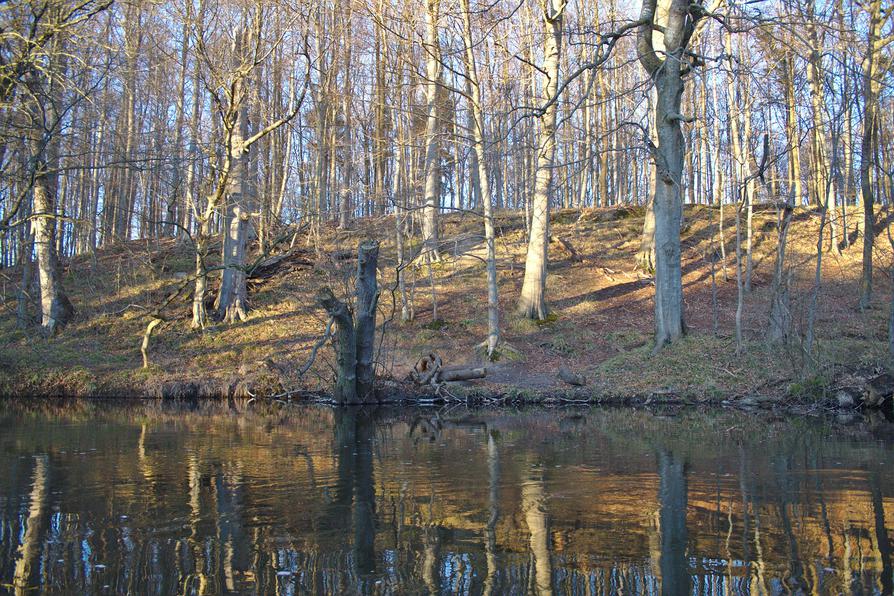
(161, 500)
(675, 578)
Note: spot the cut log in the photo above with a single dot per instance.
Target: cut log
(456, 373)
(429, 370)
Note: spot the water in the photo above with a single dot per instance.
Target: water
(151, 499)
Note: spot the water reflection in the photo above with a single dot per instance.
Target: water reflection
(160, 500)
(674, 567)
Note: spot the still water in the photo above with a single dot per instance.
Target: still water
(155, 499)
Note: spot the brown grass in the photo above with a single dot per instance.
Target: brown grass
(601, 325)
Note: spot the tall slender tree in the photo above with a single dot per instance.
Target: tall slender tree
(532, 301)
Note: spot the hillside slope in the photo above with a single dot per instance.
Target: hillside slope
(601, 326)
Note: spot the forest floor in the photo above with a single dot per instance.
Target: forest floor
(600, 328)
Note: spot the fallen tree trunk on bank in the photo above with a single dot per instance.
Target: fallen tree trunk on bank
(430, 370)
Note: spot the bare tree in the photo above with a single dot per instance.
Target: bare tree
(234, 185)
(431, 200)
(869, 144)
(480, 175)
(532, 301)
(667, 62)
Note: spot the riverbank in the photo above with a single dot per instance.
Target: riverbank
(599, 331)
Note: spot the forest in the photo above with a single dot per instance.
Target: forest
(526, 199)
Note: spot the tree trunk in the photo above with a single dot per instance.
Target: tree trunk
(483, 183)
(55, 309)
(667, 74)
(532, 302)
(367, 300)
(645, 258)
(24, 294)
(891, 309)
(780, 308)
(668, 208)
(355, 335)
(199, 313)
(868, 148)
(406, 308)
(345, 347)
(232, 299)
(432, 168)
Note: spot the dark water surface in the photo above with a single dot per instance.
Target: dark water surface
(151, 499)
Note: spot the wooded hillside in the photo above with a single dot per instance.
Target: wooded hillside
(588, 185)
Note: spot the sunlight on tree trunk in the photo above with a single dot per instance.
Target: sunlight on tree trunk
(532, 302)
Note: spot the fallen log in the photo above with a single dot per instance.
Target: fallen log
(287, 261)
(456, 373)
(429, 370)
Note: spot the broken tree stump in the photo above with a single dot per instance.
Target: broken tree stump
(345, 347)
(879, 389)
(355, 331)
(365, 316)
(425, 369)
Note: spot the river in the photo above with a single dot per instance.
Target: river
(154, 498)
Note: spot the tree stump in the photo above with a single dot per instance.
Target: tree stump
(355, 332)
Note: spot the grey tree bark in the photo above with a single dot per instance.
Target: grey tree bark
(55, 308)
(483, 183)
(677, 22)
(234, 184)
(868, 146)
(355, 332)
(780, 303)
(645, 258)
(367, 301)
(239, 199)
(431, 200)
(345, 391)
